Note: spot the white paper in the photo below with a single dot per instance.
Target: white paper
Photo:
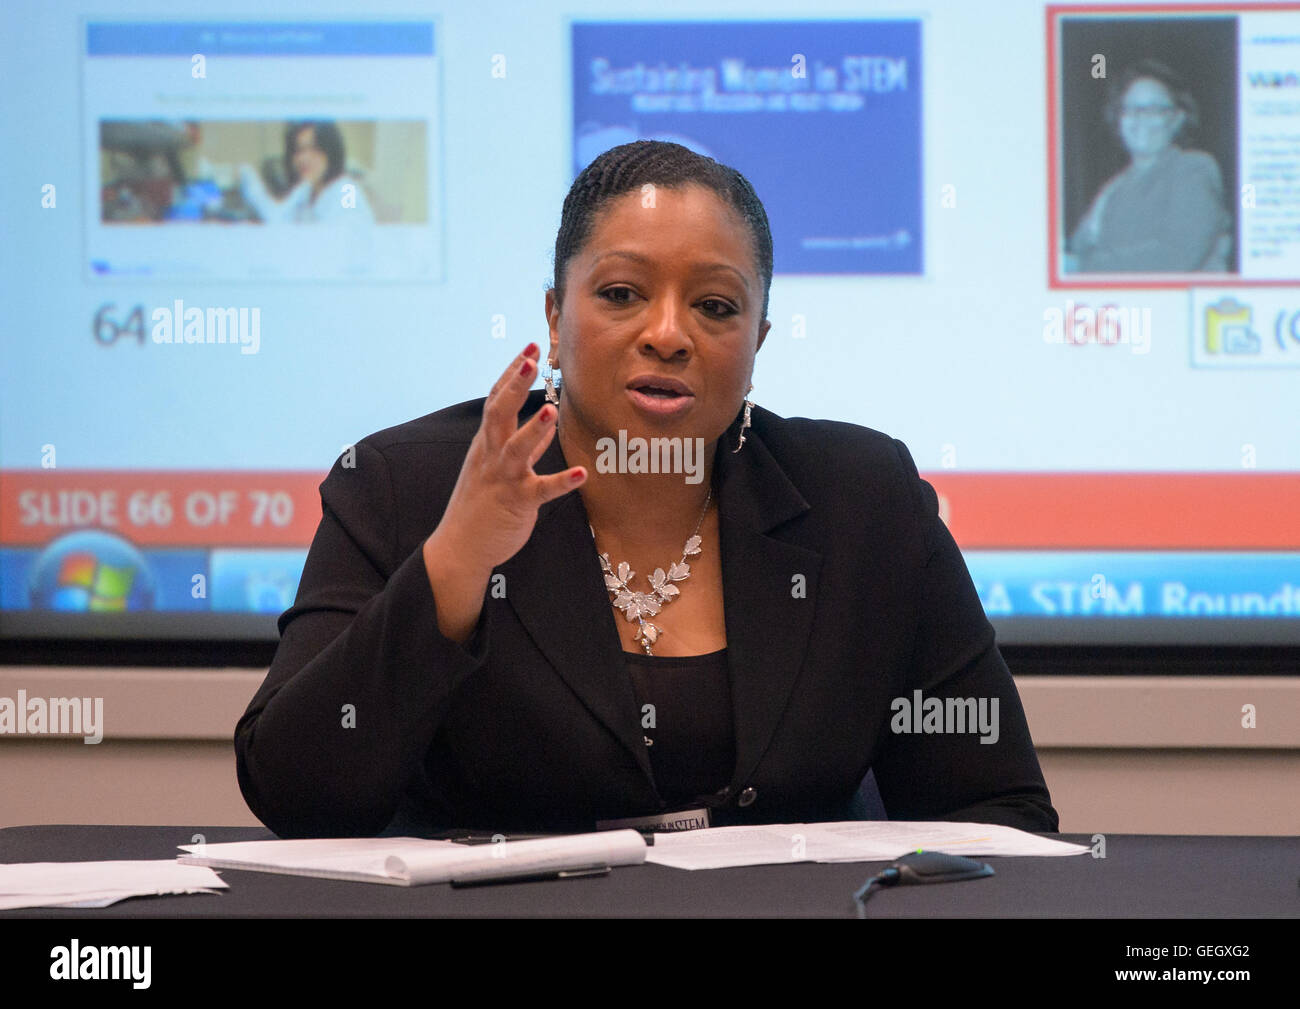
(847, 841)
(350, 858)
(98, 884)
(411, 861)
(544, 854)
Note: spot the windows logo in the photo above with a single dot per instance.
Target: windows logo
(91, 572)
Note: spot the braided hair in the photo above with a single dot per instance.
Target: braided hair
(627, 168)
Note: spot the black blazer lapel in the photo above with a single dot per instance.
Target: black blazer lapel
(767, 625)
(587, 655)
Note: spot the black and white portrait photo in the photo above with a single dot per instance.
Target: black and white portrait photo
(1147, 133)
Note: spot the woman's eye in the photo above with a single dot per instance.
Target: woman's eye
(719, 309)
(715, 307)
(609, 292)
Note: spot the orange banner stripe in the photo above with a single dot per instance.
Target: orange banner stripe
(1121, 511)
(984, 511)
(161, 508)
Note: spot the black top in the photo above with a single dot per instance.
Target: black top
(685, 705)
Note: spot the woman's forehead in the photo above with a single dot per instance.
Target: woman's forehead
(625, 217)
(1148, 87)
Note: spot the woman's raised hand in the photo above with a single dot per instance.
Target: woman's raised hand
(493, 507)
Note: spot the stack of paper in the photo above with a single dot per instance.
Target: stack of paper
(848, 841)
(98, 884)
(411, 861)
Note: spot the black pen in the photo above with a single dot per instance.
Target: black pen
(533, 877)
(646, 832)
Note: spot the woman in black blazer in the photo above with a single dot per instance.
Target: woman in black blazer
(509, 620)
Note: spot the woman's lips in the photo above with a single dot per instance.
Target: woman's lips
(661, 406)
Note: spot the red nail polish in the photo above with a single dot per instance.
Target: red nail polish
(530, 349)
(524, 368)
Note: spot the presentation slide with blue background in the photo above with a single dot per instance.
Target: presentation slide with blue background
(833, 139)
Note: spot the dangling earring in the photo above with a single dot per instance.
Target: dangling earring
(744, 424)
(551, 395)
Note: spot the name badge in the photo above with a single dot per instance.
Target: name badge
(684, 819)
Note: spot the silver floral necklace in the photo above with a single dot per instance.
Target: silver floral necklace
(638, 605)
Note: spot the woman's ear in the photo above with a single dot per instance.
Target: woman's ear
(762, 334)
(553, 321)
(551, 306)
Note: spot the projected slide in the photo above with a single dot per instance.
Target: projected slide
(258, 152)
(1053, 248)
(824, 118)
(249, 151)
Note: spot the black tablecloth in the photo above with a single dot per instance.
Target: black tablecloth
(1142, 876)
